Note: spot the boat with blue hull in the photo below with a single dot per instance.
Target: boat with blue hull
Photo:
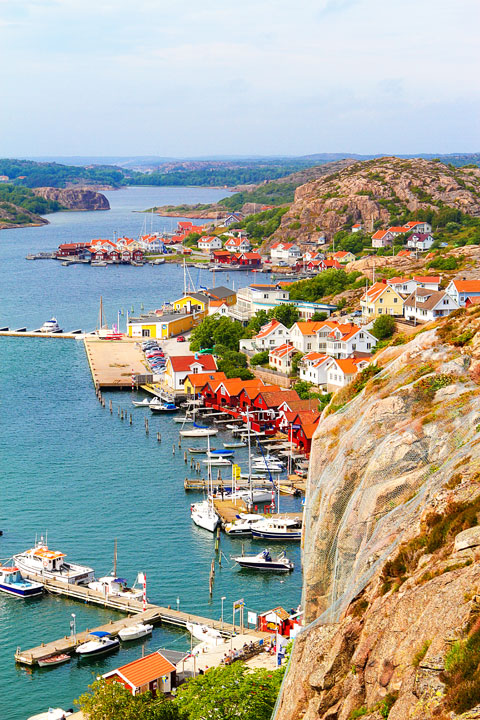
(12, 583)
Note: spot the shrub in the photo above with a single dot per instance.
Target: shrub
(443, 263)
(462, 674)
(260, 358)
(421, 652)
(383, 327)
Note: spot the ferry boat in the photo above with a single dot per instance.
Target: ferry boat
(51, 564)
(51, 326)
(12, 583)
(264, 561)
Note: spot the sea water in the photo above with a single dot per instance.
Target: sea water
(71, 468)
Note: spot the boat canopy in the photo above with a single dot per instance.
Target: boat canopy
(122, 581)
(202, 427)
(100, 633)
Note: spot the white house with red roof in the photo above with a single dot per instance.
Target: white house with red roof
(420, 241)
(397, 230)
(285, 252)
(345, 340)
(304, 335)
(271, 335)
(382, 239)
(313, 368)
(357, 227)
(418, 226)
(179, 366)
(209, 243)
(430, 282)
(341, 372)
(281, 357)
(237, 245)
(460, 290)
(402, 285)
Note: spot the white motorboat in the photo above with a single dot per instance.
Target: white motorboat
(163, 407)
(12, 583)
(51, 326)
(257, 495)
(220, 453)
(135, 631)
(278, 528)
(217, 462)
(205, 634)
(39, 560)
(52, 714)
(143, 403)
(100, 644)
(243, 524)
(111, 585)
(198, 431)
(203, 513)
(231, 426)
(264, 561)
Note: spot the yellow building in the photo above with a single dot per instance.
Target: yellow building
(381, 299)
(194, 302)
(163, 326)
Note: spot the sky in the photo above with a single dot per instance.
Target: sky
(217, 77)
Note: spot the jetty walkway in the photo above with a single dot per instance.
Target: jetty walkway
(112, 362)
(154, 614)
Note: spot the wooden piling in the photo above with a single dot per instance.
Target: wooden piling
(173, 449)
(110, 406)
(131, 419)
(185, 457)
(159, 437)
(146, 426)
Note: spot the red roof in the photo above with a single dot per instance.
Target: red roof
(427, 278)
(275, 398)
(199, 380)
(380, 234)
(467, 285)
(144, 670)
(268, 328)
(183, 363)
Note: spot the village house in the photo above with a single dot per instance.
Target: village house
(341, 372)
(357, 227)
(343, 257)
(402, 285)
(382, 239)
(420, 241)
(257, 297)
(221, 257)
(381, 299)
(313, 368)
(429, 282)
(231, 219)
(237, 245)
(396, 230)
(418, 226)
(163, 324)
(281, 357)
(304, 335)
(271, 335)
(285, 252)
(249, 259)
(152, 673)
(460, 290)
(227, 392)
(345, 340)
(209, 243)
(427, 305)
(185, 227)
(178, 367)
(221, 293)
(192, 303)
(195, 382)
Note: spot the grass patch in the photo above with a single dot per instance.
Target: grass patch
(462, 673)
(420, 654)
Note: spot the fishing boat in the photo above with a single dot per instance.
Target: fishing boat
(264, 561)
(53, 660)
(278, 528)
(51, 564)
(111, 585)
(12, 583)
(220, 453)
(205, 633)
(100, 644)
(217, 462)
(233, 445)
(134, 632)
(198, 431)
(141, 403)
(203, 513)
(243, 524)
(51, 326)
(52, 714)
(163, 407)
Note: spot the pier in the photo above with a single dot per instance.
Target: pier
(23, 332)
(112, 362)
(154, 614)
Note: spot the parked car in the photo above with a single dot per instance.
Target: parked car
(181, 338)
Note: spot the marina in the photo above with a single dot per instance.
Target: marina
(112, 363)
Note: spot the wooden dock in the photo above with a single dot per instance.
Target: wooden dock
(74, 335)
(154, 614)
(112, 362)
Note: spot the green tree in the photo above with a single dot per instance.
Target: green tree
(329, 282)
(233, 692)
(319, 316)
(260, 358)
(112, 701)
(256, 322)
(383, 327)
(295, 362)
(216, 330)
(286, 313)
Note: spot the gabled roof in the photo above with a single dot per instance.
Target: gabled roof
(398, 229)
(251, 255)
(275, 398)
(220, 293)
(199, 380)
(309, 429)
(398, 281)
(251, 391)
(308, 327)
(380, 234)
(404, 253)
(236, 242)
(183, 363)
(421, 236)
(467, 285)
(144, 670)
(302, 405)
(344, 332)
(349, 365)
(342, 253)
(282, 350)
(376, 290)
(314, 356)
(432, 298)
(427, 279)
(265, 330)
(234, 386)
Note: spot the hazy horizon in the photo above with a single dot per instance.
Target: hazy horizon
(122, 79)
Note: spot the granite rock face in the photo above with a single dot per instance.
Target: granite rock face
(74, 198)
(406, 447)
(367, 192)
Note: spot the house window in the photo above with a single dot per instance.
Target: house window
(195, 370)
(309, 346)
(354, 346)
(145, 332)
(380, 311)
(369, 345)
(394, 300)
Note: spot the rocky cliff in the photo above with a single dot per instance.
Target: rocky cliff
(75, 198)
(378, 190)
(392, 540)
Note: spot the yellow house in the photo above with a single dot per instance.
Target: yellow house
(381, 299)
(163, 326)
(196, 381)
(194, 302)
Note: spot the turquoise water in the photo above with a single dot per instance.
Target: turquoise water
(71, 468)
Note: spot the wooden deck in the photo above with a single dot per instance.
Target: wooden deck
(112, 362)
(154, 614)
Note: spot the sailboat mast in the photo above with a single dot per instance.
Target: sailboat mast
(249, 457)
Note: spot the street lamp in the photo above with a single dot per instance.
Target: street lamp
(178, 604)
(73, 629)
(222, 599)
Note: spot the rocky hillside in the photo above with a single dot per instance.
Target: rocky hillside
(13, 216)
(75, 198)
(378, 191)
(392, 540)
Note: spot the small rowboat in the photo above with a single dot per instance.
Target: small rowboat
(53, 660)
(233, 445)
(199, 450)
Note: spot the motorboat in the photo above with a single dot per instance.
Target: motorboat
(54, 660)
(220, 453)
(278, 528)
(205, 633)
(243, 524)
(217, 462)
(268, 461)
(141, 403)
(51, 326)
(52, 714)
(51, 564)
(198, 431)
(134, 632)
(257, 495)
(233, 445)
(163, 407)
(12, 583)
(198, 450)
(98, 263)
(264, 561)
(111, 585)
(100, 644)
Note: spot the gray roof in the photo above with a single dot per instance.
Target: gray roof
(173, 656)
(220, 292)
(154, 318)
(433, 297)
